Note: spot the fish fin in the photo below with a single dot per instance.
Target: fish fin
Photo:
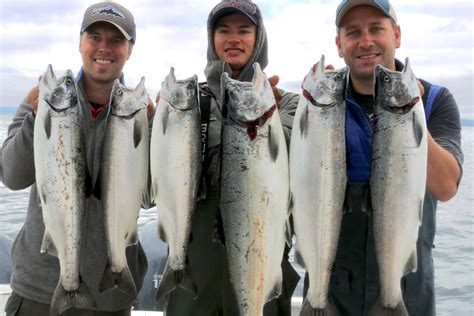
(412, 263)
(133, 238)
(164, 120)
(173, 279)
(137, 134)
(64, 300)
(418, 129)
(276, 290)
(97, 191)
(123, 281)
(47, 125)
(273, 144)
(289, 233)
(329, 310)
(162, 232)
(304, 122)
(298, 257)
(379, 310)
(47, 245)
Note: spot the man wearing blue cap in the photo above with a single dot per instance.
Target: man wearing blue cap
(367, 35)
(107, 36)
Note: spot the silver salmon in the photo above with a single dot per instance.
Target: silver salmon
(61, 172)
(254, 191)
(397, 182)
(318, 180)
(175, 164)
(124, 179)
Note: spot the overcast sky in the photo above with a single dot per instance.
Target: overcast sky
(437, 36)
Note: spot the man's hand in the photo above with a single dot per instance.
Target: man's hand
(33, 96)
(422, 89)
(273, 82)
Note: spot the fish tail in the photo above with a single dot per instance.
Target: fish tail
(123, 281)
(64, 300)
(329, 310)
(173, 279)
(379, 310)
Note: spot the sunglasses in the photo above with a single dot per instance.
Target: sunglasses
(246, 6)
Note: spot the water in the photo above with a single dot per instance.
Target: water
(453, 255)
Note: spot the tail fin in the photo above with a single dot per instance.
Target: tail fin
(122, 281)
(172, 279)
(64, 300)
(379, 310)
(329, 310)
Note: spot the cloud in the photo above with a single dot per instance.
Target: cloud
(436, 35)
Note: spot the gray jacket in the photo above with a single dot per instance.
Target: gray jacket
(35, 275)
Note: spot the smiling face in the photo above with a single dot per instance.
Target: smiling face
(104, 51)
(366, 38)
(234, 41)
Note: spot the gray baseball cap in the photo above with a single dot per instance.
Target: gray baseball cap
(226, 7)
(113, 13)
(383, 5)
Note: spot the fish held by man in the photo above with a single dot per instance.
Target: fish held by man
(61, 180)
(318, 180)
(123, 179)
(254, 191)
(398, 181)
(175, 163)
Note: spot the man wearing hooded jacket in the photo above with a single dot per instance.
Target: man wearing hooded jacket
(236, 40)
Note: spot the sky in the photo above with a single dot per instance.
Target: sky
(437, 36)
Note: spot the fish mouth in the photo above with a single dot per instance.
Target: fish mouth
(310, 98)
(405, 108)
(252, 126)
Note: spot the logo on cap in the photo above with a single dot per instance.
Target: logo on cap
(108, 10)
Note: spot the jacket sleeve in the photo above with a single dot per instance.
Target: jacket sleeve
(16, 154)
(288, 105)
(445, 125)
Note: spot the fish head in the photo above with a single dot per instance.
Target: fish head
(180, 94)
(396, 91)
(125, 101)
(59, 93)
(248, 101)
(325, 88)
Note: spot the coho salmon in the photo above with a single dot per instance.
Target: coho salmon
(123, 179)
(175, 163)
(398, 181)
(318, 180)
(60, 164)
(254, 191)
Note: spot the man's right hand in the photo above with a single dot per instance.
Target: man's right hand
(33, 97)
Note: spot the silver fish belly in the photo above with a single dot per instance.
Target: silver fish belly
(60, 165)
(318, 179)
(398, 181)
(123, 179)
(175, 159)
(254, 192)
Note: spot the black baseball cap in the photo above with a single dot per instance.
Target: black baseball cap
(245, 7)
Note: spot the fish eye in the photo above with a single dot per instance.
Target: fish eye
(386, 79)
(69, 82)
(119, 92)
(338, 77)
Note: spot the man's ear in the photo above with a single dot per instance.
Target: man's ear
(398, 36)
(338, 44)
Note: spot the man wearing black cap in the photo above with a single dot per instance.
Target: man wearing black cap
(236, 40)
(107, 36)
(367, 35)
